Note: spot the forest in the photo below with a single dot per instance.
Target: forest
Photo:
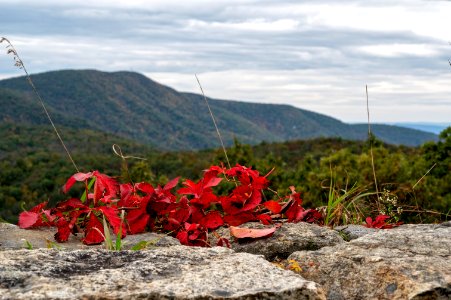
(412, 183)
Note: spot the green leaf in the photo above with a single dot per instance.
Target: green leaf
(141, 245)
(118, 239)
(53, 245)
(90, 184)
(106, 230)
(28, 245)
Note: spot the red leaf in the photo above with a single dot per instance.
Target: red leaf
(171, 184)
(247, 176)
(73, 216)
(182, 236)
(251, 233)
(243, 199)
(380, 222)
(265, 219)
(253, 201)
(369, 222)
(273, 206)
(39, 208)
(191, 188)
(49, 216)
(293, 209)
(215, 170)
(205, 200)
(126, 192)
(193, 235)
(74, 178)
(235, 220)
(111, 214)
(28, 219)
(381, 219)
(260, 182)
(63, 230)
(312, 216)
(36, 217)
(70, 204)
(145, 188)
(213, 182)
(137, 221)
(176, 218)
(190, 226)
(212, 220)
(104, 185)
(92, 234)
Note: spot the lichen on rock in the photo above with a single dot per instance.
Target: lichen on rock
(176, 272)
(408, 262)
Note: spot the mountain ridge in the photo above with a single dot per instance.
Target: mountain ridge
(133, 106)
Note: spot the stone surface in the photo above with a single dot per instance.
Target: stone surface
(13, 237)
(408, 262)
(290, 237)
(352, 232)
(176, 272)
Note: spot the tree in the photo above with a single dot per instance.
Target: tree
(440, 153)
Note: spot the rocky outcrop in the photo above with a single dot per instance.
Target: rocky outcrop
(176, 272)
(289, 238)
(352, 232)
(13, 237)
(408, 262)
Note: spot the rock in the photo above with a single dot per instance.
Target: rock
(152, 239)
(290, 237)
(14, 237)
(408, 262)
(176, 272)
(352, 232)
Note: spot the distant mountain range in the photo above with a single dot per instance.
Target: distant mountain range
(428, 127)
(133, 106)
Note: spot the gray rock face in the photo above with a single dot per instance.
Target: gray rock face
(290, 237)
(408, 262)
(13, 237)
(352, 232)
(176, 272)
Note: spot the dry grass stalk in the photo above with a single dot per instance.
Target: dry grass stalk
(214, 122)
(371, 146)
(18, 62)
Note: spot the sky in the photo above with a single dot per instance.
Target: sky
(316, 55)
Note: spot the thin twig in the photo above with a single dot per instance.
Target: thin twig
(423, 176)
(118, 151)
(371, 140)
(19, 63)
(214, 122)
(424, 211)
(371, 144)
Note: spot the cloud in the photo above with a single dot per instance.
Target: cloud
(327, 91)
(312, 54)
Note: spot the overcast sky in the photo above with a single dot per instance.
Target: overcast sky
(316, 55)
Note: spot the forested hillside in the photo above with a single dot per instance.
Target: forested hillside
(33, 168)
(134, 107)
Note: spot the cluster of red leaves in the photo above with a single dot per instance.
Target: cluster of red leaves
(189, 214)
(381, 222)
(75, 216)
